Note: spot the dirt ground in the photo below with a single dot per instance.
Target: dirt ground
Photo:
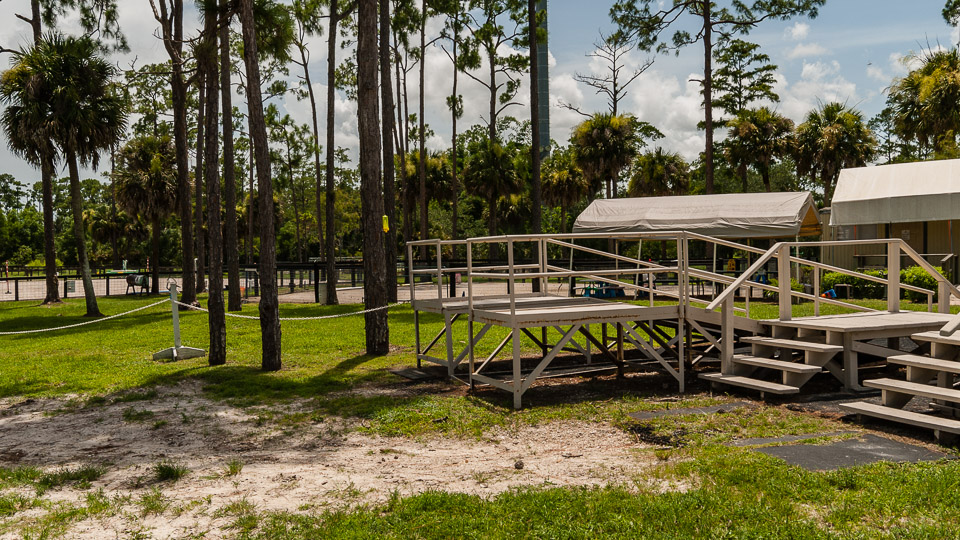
(316, 464)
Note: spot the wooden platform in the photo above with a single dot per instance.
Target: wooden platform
(880, 323)
(576, 310)
(462, 304)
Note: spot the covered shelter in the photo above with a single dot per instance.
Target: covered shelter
(916, 202)
(728, 215)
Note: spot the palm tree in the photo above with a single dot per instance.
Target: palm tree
(27, 95)
(603, 146)
(147, 187)
(489, 173)
(563, 184)
(84, 115)
(659, 173)
(926, 102)
(757, 136)
(831, 138)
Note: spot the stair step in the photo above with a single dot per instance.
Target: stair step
(916, 389)
(905, 417)
(747, 382)
(925, 362)
(935, 337)
(792, 367)
(792, 344)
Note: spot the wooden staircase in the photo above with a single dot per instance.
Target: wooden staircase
(930, 377)
(778, 364)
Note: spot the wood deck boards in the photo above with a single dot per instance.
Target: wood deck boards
(585, 311)
(936, 337)
(461, 304)
(949, 425)
(874, 321)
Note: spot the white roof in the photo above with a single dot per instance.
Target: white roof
(730, 215)
(903, 192)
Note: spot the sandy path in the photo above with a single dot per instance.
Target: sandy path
(314, 464)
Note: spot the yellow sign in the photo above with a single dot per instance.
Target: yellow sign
(386, 224)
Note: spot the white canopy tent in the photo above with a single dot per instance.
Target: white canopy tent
(730, 215)
(900, 193)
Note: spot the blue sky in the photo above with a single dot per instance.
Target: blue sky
(850, 53)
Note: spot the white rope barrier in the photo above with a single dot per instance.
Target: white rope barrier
(317, 318)
(94, 321)
(194, 307)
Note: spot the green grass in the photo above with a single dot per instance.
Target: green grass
(730, 493)
(115, 356)
(712, 491)
(169, 471)
(153, 502)
(80, 477)
(233, 467)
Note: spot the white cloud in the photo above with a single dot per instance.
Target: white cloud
(877, 74)
(798, 31)
(806, 50)
(820, 82)
(674, 107)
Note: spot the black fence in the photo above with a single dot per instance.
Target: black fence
(28, 283)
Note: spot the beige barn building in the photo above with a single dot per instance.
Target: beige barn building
(918, 202)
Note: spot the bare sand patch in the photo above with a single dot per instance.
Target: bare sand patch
(317, 463)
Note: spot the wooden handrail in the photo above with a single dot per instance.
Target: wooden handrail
(754, 268)
(929, 268)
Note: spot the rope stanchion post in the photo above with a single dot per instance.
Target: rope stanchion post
(177, 352)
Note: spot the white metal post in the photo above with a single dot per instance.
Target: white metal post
(177, 352)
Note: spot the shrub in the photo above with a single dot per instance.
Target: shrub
(860, 288)
(794, 284)
(918, 277)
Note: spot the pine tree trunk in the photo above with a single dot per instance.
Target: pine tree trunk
(269, 303)
(198, 177)
(217, 321)
(422, 139)
(403, 113)
(371, 202)
(250, 201)
(708, 96)
(76, 205)
(535, 197)
(46, 184)
(230, 240)
(455, 199)
(492, 65)
(318, 169)
(178, 89)
(331, 187)
(389, 174)
(49, 234)
(155, 269)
